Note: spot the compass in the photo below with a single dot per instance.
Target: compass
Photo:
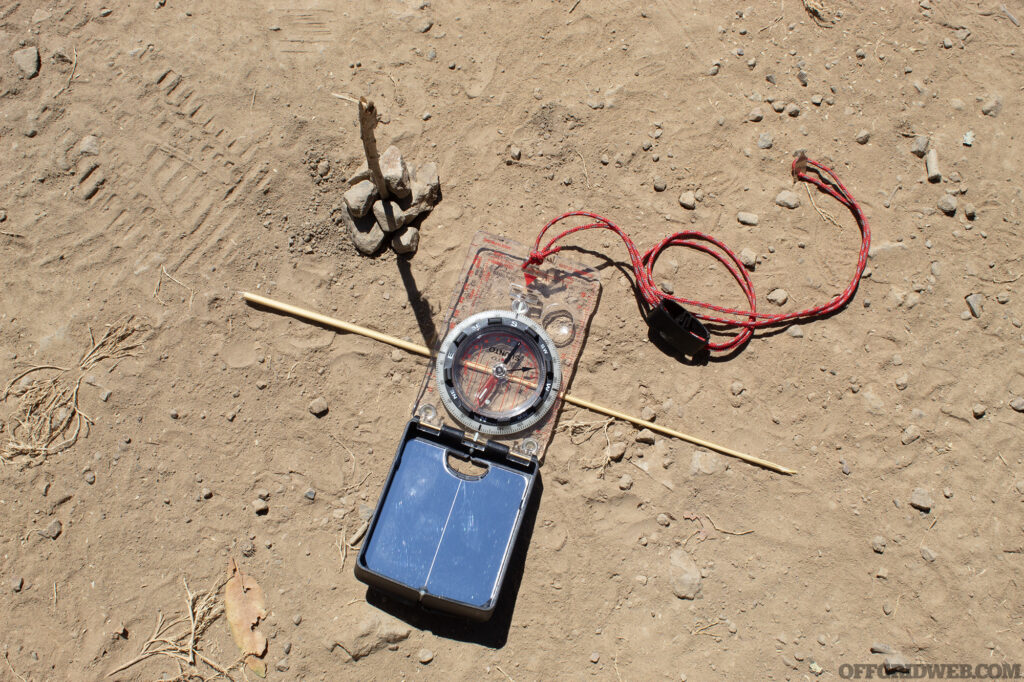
(498, 373)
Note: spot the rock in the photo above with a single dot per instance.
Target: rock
(921, 499)
(749, 258)
(970, 212)
(360, 197)
(974, 302)
(3, 215)
(648, 414)
(426, 185)
(323, 168)
(364, 232)
(927, 554)
(388, 215)
(515, 152)
(878, 544)
(947, 204)
(755, 115)
(968, 140)
(796, 332)
(318, 407)
(663, 520)
(206, 493)
(645, 436)
(901, 382)
(787, 199)
(863, 136)
(707, 463)
(668, 289)
(17, 584)
(688, 200)
(89, 477)
(778, 296)
(27, 60)
(992, 106)
(53, 530)
(910, 434)
(792, 110)
(931, 166)
(282, 665)
(919, 147)
(879, 648)
(615, 451)
(370, 634)
(626, 482)
(1017, 404)
(260, 507)
(89, 146)
(425, 656)
(310, 494)
(659, 185)
(736, 388)
(395, 172)
(684, 575)
(801, 76)
(979, 410)
(263, 493)
(895, 663)
(406, 241)
(747, 218)
(765, 141)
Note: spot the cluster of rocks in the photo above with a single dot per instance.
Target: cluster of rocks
(413, 191)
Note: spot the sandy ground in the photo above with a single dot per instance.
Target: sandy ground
(208, 124)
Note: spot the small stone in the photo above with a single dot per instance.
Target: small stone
(206, 493)
(645, 436)
(287, 648)
(174, 414)
(659, 185)
(947, 493)
(1003, 298)
(787, 199)
(663, 520)
(778, 106)
(395, 171)
(801, 76)
(1017, 404)
(887, 608)
(778, 296)
(878, 544)
(749, 258)
(426, 116)
(816, 100)
(992, 106)
(323, 168)
(360, 197)
(792, 110)
(282, 665)
(260, 507)
(715, 68)
(668, 289)
(880, 648)
(921, 499)
(105, 12)
(901, 382)
(736, 388)
(425, 656)
(89, 146)
(684, 575)
(931, 165)
(425, 25)
(815, 668)
(910, 434)
(860, 53)
(297, 619)
(17, 584)
(318, 407)
(970, 212)
(616, 451)
(979, 410)
(755, 115)
(53, 530)
(863, 136)
(707, 463)
(310, 494)
(947, 204)
(688, 200)
(648, 414)
(3, 215)
(515, 152)
(27, 60)
(625, 482)
(968, 140)
(919, 147)
(927, 554)
(263, 494)
(846, 468)
(765, 141)
(747, 218)
(974, 302)
(895, 663)
(595, 657)
(90, 477)
(388, 215)
(406, 241)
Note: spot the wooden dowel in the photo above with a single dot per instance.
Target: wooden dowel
(417, 349)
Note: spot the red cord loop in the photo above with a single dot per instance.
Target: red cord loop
(746, 321)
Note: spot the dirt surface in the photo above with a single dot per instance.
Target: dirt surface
(167, 156)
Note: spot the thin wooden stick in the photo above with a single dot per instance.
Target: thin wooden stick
(417, 349)
(367, 122)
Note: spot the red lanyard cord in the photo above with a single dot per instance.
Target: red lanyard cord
(746, 321)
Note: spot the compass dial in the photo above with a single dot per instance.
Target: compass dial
(498, 373)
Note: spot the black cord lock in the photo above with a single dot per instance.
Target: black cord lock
(678, 327)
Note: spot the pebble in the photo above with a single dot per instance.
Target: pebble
(395, 172)
(282, 665)
(90, 477)
(787, 199)
(425, 656)
(659, 185)
(887, 608)
(895, 663)
(707, 463)
(921, 499)
(53, 530)
(878, 544)
(595, 657)
(747, 218)
(105, 12)
(974, 302)
(979, 410)
(27, 60)
(1017, 404)
(17, 584)
(863, 136)
(318, 407)
(970, 212)
(515, 152)
(406, 241)
(792, 110)
(625, 482)
(901, 382)
(260, 507)
(174, 414)
(645, 436)
(310, 494)
(360, 197)
(615, 451)
(688, 200)
(968, 140)
(947, 204)
(736, 388)
(749, 258)
(846, 467)
(297, 619)
(648, 414)
(880, 648)
(206, 493)
(931, 166)
(919, 147)
(663, 520)
(668, 289)
(816, 100)
(263, 494)
(778, 296)
(3, 215)
(755, 115)
(927, 554)
(765, 141)
(802, 77)
(910, 434)
(684, 575)
(992, 106)
(323, 168)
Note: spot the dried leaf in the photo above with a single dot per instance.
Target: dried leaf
(245, 607)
